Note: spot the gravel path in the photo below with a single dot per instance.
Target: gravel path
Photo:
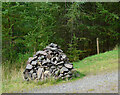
(102, 83)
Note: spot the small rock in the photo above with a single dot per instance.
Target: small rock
(29, 66)
(53, 67)
(44, 62)
(31, 71)
(60, 50)
(54, 70)
(63, 69)
(68, 66)
(41, 53)
(39, 72)
(68, 76)
(60, 62)
(31, 59)
(57, 72)
(60, 75)
(60, 66)
(70, 73)
(48, 48)
(53, 49)
(33, 63)
(30, 75)
(34, 75)
(64, 56)
(46, 73)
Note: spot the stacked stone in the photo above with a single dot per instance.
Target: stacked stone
(51, 62)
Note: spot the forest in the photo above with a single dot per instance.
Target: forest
(28, 27)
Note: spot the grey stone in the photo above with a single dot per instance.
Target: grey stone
(29, 66)
(48, 60)
(70, 66)
(54, 49)
(61, 62)
(57, 72)
(60, 66)
(63, 69)
(47, 73)
(64, 56)
(44, 62)
(60, 75)
(68, 76)
(39, 72)
(50, 70)
(70, 73)
(33, 63)
(54, 60)
(31, 59)
(48, 47)
(41, 53)
(53, 45)
(60, 50)
(25, 75)
(53, 67)
(30, 75)
(54, 70)
(34, 75)
(31, 71)
(65, 73)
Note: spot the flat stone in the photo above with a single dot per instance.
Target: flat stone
(44, 62)
(53, 45)
(60, 66)
(29, 66)
(31, 59)
(63, 69)
(41, 53)
(70, 66)
(53, 67)
(48, 47)
(53, 49)
(33, 63)
(60, 50)
(61, 62)
(39, 72)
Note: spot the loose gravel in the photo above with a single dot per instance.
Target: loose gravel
(101, 83)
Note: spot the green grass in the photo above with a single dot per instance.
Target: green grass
(107, 61)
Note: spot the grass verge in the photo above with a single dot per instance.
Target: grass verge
(108, 61)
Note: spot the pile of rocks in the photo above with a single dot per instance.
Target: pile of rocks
(51, 62)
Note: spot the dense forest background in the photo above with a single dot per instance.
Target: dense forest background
(29, 27)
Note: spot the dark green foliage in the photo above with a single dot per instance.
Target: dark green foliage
(29, 27)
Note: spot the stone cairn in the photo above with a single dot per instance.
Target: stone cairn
(51, 62)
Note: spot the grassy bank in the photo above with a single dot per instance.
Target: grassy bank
(107, 61)
(91, 65)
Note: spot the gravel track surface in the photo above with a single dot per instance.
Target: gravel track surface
(101, 83)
